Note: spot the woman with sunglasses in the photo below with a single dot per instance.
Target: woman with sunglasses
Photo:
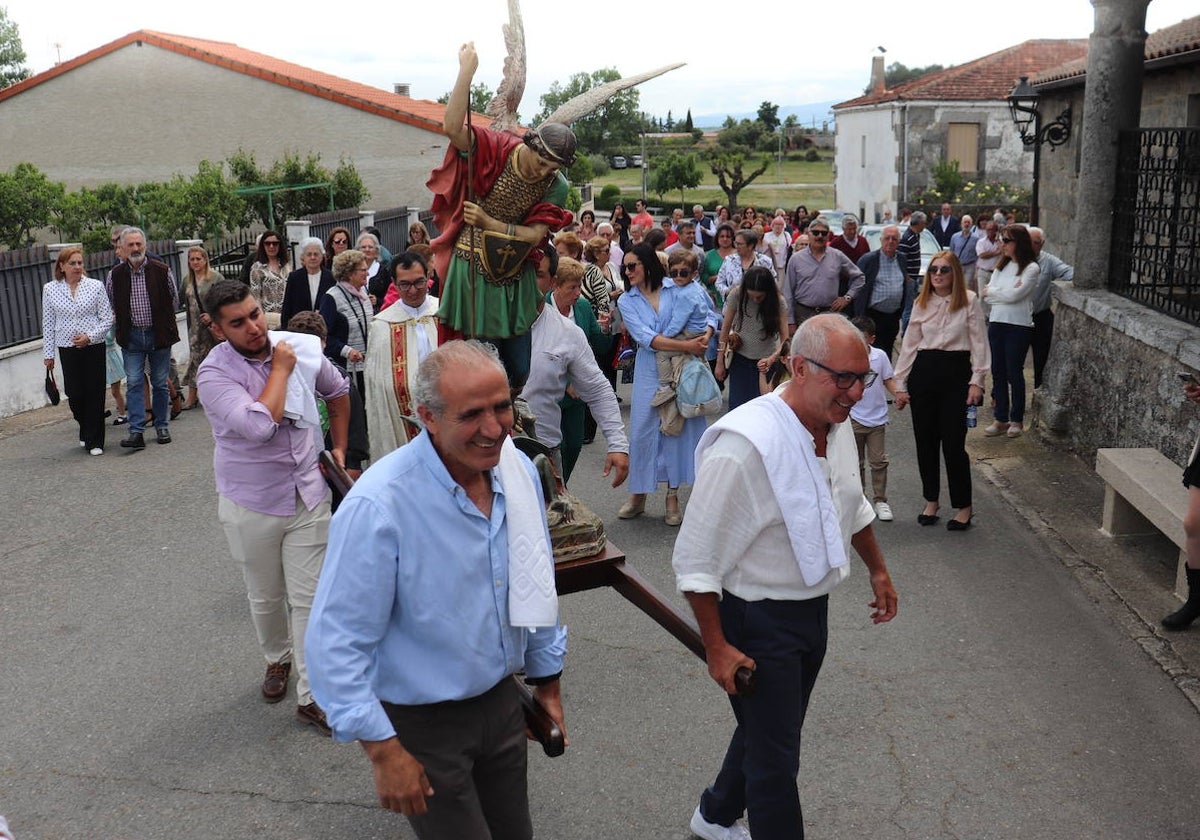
(942, 365)
(756, 314)
(338, 241)
(1009, 294)
(654, 309)
(268, 276)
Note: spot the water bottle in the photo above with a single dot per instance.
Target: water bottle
(972, 418)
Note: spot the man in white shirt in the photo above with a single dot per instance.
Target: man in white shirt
(401, 336)
(706, 228)
(561, 357)
(615, 254)
(777, 500)
(778, 245)
(988, 251)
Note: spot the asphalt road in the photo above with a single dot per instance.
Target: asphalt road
(1003, 702)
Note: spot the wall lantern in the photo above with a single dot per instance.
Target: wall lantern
(1022, 104)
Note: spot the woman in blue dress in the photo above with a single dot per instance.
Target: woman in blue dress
(655, 309)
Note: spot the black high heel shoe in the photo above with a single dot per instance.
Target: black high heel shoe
(928, 518)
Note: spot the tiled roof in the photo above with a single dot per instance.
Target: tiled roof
(419, 112)
(987, 79)
(1177, 40)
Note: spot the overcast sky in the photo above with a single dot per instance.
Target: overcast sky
(801, 54)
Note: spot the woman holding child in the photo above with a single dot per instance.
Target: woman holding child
(655, 310)
(941, 370)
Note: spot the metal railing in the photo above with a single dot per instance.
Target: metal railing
(1156, 221)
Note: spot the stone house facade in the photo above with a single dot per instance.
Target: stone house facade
(890, 140)
(1111, 379)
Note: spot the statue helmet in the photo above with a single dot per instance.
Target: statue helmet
(553, 141)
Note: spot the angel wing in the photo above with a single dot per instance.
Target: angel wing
(590, 100)
(503, 107)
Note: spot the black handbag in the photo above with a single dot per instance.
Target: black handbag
(52, 388)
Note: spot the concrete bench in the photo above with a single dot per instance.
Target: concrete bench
(1143, 494)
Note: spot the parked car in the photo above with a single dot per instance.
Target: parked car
(929, 243)
(636, 161)
(619, 162)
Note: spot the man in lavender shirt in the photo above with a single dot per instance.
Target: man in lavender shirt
(272, 499)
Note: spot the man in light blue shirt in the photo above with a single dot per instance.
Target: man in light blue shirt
(413, 639)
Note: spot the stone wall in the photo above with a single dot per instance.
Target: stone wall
(1111, 380)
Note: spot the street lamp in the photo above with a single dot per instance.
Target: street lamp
(1022, 105)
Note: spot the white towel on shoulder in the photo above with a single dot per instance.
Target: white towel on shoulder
(300, 404)
(801, 485)
(532, 598)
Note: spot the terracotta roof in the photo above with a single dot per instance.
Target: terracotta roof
(1172, 41)
(987, 79)
(419, 112)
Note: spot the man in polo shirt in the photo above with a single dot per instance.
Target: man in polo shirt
(258, 392)
(819, 279)
(144, 300)
(884, 292)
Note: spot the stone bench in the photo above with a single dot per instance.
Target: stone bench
(1143, 494)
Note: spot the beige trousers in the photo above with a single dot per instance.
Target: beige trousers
(281, 559)
(870, 440)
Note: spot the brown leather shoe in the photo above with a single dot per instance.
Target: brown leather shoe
(274, 686)
(312, 715)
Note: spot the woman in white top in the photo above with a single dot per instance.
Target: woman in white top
(76, 315)
(1009, 292)
(941, 368)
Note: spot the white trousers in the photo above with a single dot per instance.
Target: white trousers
(281, 559)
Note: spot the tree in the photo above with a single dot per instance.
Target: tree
(27, 202)
(292, 171)
(768, 115)
(481, 96)
(199, 207)
(897, 74)
(731, 157)
(676, 172)
(12, 54)
(615, 123)
(687, 123)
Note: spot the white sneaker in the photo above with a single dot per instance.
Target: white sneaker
(995, 429)
(1015, 429)
(96, 451)
(884, 511)
(711, 831)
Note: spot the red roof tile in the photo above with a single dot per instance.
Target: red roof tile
(418, 112)
(985, 79)
(1182, 38)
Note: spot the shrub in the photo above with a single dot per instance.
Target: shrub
(812, 155)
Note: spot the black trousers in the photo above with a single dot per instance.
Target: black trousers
(937, 388)
(887, 327)
(85, 381)
(1043, 331)
(786, 640)
(474, 754)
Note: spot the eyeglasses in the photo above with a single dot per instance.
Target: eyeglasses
(681, 272)
(845, 379)
(274, 242)
(817, 232)
(406, 286)
(627, 267)
(940, 269)
(1006, 239)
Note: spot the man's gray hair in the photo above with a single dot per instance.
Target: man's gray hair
(918, 218)
(696, 207)
(811, 340)
(132, 229)
(427, 389)
(311, 242)
(849, 219)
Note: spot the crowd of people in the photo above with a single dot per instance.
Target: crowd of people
(351, 353)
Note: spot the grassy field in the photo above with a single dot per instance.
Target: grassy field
(798, 182)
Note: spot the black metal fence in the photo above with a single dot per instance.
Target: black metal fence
(1156, 221)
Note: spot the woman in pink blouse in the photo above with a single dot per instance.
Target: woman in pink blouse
(941, 369)
(76, 315)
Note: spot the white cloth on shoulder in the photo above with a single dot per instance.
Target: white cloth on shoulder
(797, 477)
(300, 404)
(532, 598)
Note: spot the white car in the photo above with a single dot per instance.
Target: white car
(929, 243)
(619, 162)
